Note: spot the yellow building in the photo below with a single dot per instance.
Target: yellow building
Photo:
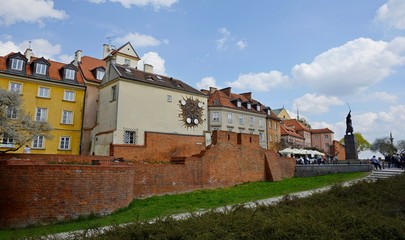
(50, 91)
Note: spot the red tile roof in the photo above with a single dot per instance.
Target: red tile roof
(297, 125)
(88, 64)
(289, 131)
(322, 130)
(54, 70)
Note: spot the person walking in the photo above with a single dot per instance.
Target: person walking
(376, 163)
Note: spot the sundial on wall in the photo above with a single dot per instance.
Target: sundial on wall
(191, 112)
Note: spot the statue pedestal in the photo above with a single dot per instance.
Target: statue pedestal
(350, 147)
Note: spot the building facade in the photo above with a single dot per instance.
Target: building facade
(322, 139)
(133, 102)
(50, 91)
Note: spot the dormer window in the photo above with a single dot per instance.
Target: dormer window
(216, 102)
(268, 112)
(69, 74)
(258, 108)
(239, 104)
(100, 74)
(17, 64)
(249, 106)
(40, 68)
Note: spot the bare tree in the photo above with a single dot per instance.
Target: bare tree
(384, 146)
(16, 126)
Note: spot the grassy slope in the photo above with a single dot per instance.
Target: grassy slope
(143, 209)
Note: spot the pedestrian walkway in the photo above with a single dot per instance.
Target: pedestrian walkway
(384, 173)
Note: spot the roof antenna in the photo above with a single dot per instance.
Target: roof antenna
(110, 38)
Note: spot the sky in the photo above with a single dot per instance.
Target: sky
(318, 58)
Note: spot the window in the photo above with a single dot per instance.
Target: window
(69, 95)
(41, 114)
(128, 62)
(130, 137)
(43, 92)
(70, 74)
(258, 108)
(241, 119)
(271, 137)
(7, 141)
(215, 116)
(275, 125)
(64, 143)
(251, 121)
(261, 136)
(17, 64)
(326, 136)
(230, 118)
(40, 68)
(215, 101)
(260, 122)
(249, 106)
(38, 142)
(270, 122)
(12, 112)
(169, 98)
(67, 117)
(238, 104)
(15, 87)
(113, 93)
(100, 74)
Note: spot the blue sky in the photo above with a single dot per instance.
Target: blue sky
(313, 55)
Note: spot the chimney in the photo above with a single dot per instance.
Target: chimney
(247, 95)
(212, 90)
(28, 54)
(106, 50)
(78, 57)
(148, 68)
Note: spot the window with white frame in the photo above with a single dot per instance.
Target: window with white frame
(100, 74)
(270, 122)
(67, 117)
(251, 121)
(17, 64)
(238, 104)
(275, 125)
(249, 106)
(258, 108)
(326, 136)
(41, 114)
(260, 122)
(261, 136)
(40, 68)
(38, 142)
(127, 62)
(241, 119)
(15, 87)
(271, 137)
(12, 112)
(64, 143)
(169, 98)
(130, 137)
(6, 140)
(43, 92)
(69, 96)
(215, 116)
(230, 118)
(70, 74)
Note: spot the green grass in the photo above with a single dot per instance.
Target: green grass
(160, 206)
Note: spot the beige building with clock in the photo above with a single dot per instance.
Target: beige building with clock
(133, 102)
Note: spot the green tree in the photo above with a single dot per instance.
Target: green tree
(16, 126)
(361, 143)
(384, 146)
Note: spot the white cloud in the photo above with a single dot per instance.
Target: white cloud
(225, 36)
(207, 82)
(30, 11)
(392, 13)
(156, 4)
(155, 60)
(40, 47)
(381, 97)
(66, 58)
(352, 67)
(138, 40)
(259, 81)
(241, 44)
(314, 103)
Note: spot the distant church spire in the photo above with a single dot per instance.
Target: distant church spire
(298, 114)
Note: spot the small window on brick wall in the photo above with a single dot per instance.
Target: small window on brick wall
(130, 136)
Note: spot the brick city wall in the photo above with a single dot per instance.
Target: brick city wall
(34, 191)
(160, 147)
(338, 149)
(43, 193)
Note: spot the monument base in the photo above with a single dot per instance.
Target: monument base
(350, 147)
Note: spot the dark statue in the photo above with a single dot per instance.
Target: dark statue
(349, 126)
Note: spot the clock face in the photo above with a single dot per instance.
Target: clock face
(191, 112)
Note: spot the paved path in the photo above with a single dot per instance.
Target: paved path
(376, 174)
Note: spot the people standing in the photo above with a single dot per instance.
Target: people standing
(376, 163)
(27, 149)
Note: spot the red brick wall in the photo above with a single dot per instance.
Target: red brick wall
(35, 194)
(338, 149)
(161, 147)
